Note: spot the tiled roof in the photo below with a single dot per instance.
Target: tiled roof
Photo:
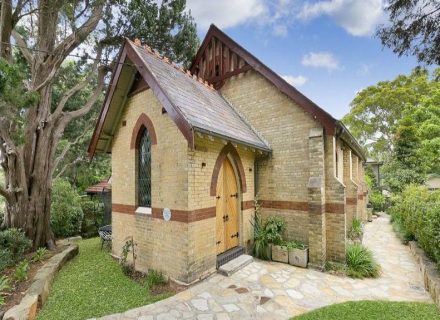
(204, 108)
(103, 186)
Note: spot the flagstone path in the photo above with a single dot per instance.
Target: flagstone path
(269, 290)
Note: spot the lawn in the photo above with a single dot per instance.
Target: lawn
(374, 310)
(93, 285)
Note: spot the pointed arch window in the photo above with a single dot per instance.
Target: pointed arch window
(144, 169)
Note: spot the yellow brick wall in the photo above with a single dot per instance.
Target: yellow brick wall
(202, 234)
(285, 174)
(160, 245)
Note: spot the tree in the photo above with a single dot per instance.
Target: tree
(34, 114)
(376, 110)
(414, 29)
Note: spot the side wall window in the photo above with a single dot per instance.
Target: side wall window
(144, 169)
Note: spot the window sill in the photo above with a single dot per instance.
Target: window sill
(143, 210)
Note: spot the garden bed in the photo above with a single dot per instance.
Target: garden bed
(18, 290)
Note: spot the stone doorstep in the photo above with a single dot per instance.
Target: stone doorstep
(38, 292)
(234, 265)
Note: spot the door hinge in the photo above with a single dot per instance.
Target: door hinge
(235, 235)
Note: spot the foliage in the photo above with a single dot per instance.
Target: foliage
(373, 310)
(154, 278)
(21, 271)
(46, 96)
(294, 245)
(261, 245)
(4, 286)
(414, 29)
(103, 288)
(93, 210)
(274, 228)
(360, 262)
(128, 247)
(356, 230)
(39, 254)
(417, 213)
(67, 214)
(14, 241)
(377, 200)
(6, 259)
(376, 111)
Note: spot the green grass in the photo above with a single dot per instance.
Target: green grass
(93, 285)
(374, 310)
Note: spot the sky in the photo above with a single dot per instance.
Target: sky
(325, 48)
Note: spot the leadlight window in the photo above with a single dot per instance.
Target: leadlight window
(144, 170)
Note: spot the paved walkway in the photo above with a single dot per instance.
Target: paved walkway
(268, 290)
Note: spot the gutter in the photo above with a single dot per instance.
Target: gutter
(345, 134)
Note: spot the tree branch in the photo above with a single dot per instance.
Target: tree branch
(78, 87)
(77, 37)
(67, 148)
(102, 71)
(60, 173)
(22, 46)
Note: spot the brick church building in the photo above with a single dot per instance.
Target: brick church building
(192, 149)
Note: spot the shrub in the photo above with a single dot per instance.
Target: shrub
(154, 278)
(356, 229)
(261, 246)
(15, 241)
(377, 200)
(416, 214)
(274, 229)
(4, 286)
(21, 272)
(5, 259)
(66, 212)
(360, 262)
(93, 216)
(39, 254)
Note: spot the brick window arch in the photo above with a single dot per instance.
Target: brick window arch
(232, 152)
(143, 137)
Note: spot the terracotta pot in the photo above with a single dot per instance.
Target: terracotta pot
(299, 257)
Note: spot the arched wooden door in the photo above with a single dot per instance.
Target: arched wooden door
(227, 208)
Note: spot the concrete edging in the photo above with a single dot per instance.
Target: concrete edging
(38, 292)
(431, 276)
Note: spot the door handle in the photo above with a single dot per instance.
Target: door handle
(235, 195)
(218, 242)
(218, 197)
(225, 218)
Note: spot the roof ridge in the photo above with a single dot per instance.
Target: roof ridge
(155, 53)
(245, 120)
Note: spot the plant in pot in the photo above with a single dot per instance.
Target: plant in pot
(298, 253)
(274, 227)
(260, 247)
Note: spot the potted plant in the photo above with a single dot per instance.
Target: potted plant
(280, 253)
(261, 247)
(274, 228)
(298, 253)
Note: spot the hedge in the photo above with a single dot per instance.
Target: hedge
(417, 211)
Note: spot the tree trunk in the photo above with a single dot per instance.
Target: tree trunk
(5, 29)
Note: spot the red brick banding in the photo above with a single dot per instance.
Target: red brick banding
(335, 208)
(245, 205)
(360, 196)
(228, 150)
(176, 215)
(351, 201)
(286, 205)
(142, 122)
